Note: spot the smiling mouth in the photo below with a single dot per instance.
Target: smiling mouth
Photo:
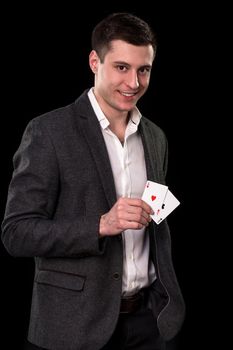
(128, 94)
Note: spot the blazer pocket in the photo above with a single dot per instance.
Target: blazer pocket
(60, 279)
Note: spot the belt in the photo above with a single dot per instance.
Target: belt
(131, 303)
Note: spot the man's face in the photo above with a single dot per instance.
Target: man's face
(123, 77)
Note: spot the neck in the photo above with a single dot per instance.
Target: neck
(118, 127)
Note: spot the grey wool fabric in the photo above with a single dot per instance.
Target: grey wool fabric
(61, 185)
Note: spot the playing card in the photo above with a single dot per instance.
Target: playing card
(154, 195)
(169, 204)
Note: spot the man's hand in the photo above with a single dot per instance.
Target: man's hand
(127, 213)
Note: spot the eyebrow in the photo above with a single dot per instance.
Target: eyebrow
(122, 63)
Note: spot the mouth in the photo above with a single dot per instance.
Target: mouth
(128, 94)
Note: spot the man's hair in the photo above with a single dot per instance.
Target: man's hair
(121, 26)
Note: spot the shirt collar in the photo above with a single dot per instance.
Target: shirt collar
(135, 114)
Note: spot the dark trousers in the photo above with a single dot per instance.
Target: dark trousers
(136, 331)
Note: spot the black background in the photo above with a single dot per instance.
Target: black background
(45, 66)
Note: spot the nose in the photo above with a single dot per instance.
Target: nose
(132, 80)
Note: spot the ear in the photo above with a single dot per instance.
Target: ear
(93, 61)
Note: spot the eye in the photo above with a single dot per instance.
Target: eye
(145, 70)
(122, 68)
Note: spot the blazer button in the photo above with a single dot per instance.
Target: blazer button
(119, 237)
(116, 276)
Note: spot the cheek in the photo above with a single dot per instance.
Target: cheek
(103, 79)
(144, 81)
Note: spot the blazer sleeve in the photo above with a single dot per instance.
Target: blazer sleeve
(29, 227)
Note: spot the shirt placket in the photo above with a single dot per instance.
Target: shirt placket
(129, 235)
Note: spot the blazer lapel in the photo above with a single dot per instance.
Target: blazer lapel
(151, 158)
(92, 132)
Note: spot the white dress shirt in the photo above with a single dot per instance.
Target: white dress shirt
(129, 172)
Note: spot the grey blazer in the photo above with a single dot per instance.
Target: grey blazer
(62, 183)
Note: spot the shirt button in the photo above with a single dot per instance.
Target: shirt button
(116, 276)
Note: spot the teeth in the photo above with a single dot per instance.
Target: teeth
(127, 94)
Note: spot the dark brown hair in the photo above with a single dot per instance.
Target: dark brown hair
(121, 26)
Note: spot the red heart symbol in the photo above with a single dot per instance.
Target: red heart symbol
(153, 198)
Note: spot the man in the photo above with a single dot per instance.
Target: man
(104, 277)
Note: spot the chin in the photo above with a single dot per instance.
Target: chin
(127, 106)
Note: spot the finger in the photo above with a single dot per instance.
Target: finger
(147, 208)
(134, 217)
(135, 214)
(139, 212)
(132, 225)
(137, 202)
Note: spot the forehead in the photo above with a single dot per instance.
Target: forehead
(122, 51)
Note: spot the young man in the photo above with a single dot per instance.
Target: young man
(104, 277)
